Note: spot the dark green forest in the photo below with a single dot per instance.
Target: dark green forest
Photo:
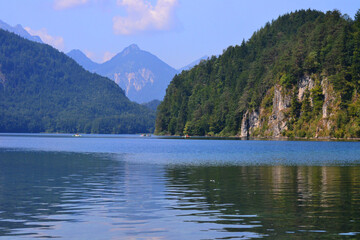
(43, 90)
(212, 98)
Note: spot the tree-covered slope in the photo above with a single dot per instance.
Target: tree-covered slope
(43, 90)
(297, 76)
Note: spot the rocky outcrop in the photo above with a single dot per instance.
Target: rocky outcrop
(281, 104)
(305, 83)
(328, 108)
(134, 81)
(2, 79)
(329, 97)
(276, 121)
(249, 123)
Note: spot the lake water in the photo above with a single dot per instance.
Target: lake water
(128, 187)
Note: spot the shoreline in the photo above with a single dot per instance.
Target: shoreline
(260, 138)
(281, 138)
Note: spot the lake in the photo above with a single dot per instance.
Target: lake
(132, 187)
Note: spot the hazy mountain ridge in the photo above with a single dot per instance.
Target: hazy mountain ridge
(19, 30)
(298, 76)
(83, 60)
(193, 64)
(152, 104)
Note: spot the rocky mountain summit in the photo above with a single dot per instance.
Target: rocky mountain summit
(142, 75)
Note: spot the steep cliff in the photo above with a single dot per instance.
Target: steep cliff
(281, 122)
(298, 76)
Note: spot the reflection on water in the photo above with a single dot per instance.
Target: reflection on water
(273, 201)
(69, 195)
(42, 192)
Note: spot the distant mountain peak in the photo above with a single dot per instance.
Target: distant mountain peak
(193, 64)
(19, 30)
(76, 51)
(83, 60)
(133, 47)
(129, 49)
(142, 75)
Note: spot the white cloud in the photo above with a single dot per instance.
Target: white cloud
(99, 58)
(90, 54)
(143, 16)
(56, 42)
(64, 4)
(108, 56)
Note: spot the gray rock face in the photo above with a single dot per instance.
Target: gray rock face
(278, 120)
(329, 97)
(305, 83)
(281, 102)
(133, 82)
(329, 102)
(2, 78)
(249, 123)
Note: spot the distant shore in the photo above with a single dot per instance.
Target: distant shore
(259, 138)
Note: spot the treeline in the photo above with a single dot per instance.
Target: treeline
(212, 98)
(43, 90)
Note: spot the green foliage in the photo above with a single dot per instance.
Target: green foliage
(311, 63)
(43, 90)
(212, 97)
(354, 108)
(287, 80)
(318, 99)
(295, 106)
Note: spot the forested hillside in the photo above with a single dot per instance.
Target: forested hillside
(43, 90)
(297, 76)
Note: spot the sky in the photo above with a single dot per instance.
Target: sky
(176, 31)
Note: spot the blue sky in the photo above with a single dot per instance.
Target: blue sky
(177, 31)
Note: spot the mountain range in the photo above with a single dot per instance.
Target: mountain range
(298, 76)
(44, 90)
(19, 30)
(142, 75)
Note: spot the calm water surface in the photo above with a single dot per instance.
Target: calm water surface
(128, 187)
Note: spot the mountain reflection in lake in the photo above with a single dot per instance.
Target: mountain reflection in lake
(78, 195)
